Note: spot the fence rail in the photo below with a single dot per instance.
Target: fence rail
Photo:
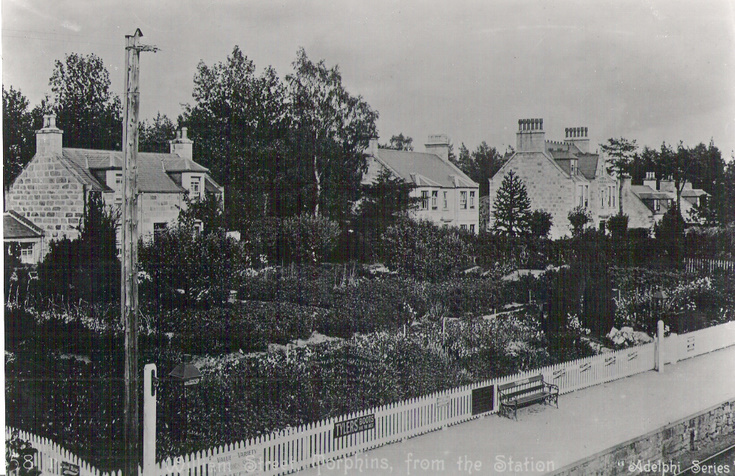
(708, 265)
(315, 443)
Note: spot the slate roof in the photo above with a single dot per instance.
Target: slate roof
(587, 164)
(562, 153)
(153, 168)
(424, 169)
(693, 192)
(644, 192)
(16, 226)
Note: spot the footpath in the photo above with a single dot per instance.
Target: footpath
(546, 439)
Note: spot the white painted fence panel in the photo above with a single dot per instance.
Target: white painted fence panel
(708, 265)
(315, 443)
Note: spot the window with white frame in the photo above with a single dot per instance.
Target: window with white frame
(434, 199)
(609, 196)
(446, 200)
(472, 228)
(463, 227)
(583, 191)
(424, 199)
(195, 185)
(472, 199)
(463, 200)
(26, 252)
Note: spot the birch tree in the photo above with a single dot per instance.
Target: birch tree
(330, 130)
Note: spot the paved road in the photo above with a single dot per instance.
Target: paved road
(545, 439)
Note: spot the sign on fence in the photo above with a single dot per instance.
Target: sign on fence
(277, 453)
(355, 425)
(68, 469)
(483, 399)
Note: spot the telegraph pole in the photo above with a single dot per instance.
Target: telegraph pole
(129, 291)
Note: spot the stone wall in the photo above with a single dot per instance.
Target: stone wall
(158, 208)
(639, 215)
(661, 447)
(49, 195)
(548, 188)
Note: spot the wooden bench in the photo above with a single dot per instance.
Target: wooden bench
(525, 392)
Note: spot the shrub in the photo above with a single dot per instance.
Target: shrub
(309, 238)
(376, 304)
(424, 251)
(87, 267)
(669, 234)
(303, 239)
(540, 222)
(464, 296)
(245, 327)
(711, 243)
(618, 226)
(578, 219)
(186, 270)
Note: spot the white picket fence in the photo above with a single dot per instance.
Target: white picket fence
(315, 443)
(692, 344)
(709, 265)
(51, 458)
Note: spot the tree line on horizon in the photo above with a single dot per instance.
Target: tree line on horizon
(294, 145)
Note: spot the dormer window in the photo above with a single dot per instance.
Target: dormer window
(573, 167)
(195, 187)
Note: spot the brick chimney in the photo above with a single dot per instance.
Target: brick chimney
(530, 136)
(650, 180)
(578, 137)
(182, 145)
(438, 144)
(48, 139)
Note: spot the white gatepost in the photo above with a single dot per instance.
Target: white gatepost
(660, 346)
(149, 420)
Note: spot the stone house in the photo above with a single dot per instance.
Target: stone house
(559, 176)
(18, 229)
(448, 196)
(52, 190)
(646, 204)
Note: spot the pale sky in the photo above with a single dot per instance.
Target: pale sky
(647, 70)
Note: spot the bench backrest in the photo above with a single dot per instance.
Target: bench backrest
(537, 379)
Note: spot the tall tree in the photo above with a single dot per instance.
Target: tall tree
(727, 210)
(642, 164)
(18, 140)
(480, 165)
(620, 154)
(383, 203)
(512, 207)
(399, 142)
(155, 136)
(238, 123)
(87, 110)
(681, 165)
(331, 129)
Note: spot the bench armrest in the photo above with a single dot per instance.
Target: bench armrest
(552, 386)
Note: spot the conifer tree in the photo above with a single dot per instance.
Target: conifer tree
(512, 207)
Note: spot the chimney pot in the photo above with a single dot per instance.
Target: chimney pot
(438, 144)
(49, 138)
